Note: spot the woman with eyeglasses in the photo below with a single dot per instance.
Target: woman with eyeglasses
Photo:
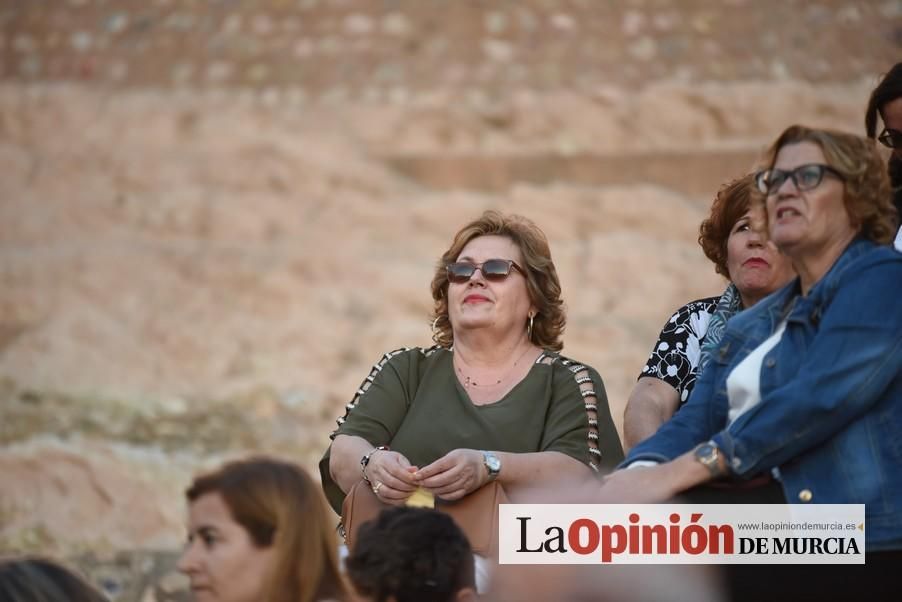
(494, 399)
(807, 384)
(886, 100)
(755, 269)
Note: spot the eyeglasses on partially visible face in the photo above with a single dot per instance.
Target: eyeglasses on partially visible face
(805, 177)
(494, 270)
(890, 138)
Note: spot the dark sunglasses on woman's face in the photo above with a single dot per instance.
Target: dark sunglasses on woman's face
(805, 177)
(494, 270)
(890, 138)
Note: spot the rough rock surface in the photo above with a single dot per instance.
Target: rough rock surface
(202, 251)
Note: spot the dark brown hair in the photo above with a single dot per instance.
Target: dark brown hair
(411, 555)
(33, 579)
(732, 201)
(542, 282)
(888, 90)
(279, 505)
(866, 193)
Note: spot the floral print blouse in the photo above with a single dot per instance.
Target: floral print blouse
(675, 356)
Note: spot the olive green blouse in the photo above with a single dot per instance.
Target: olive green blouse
(413, 402)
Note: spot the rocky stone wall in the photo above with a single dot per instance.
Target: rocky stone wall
(215, 216)
(395, 50)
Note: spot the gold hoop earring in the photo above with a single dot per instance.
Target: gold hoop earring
(529, 327)
(435, 332)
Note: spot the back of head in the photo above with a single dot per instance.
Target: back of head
(867, 195)
(279, 505)
(42, 580)
(412, 555)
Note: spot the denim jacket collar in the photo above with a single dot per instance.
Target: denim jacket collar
(785, 299)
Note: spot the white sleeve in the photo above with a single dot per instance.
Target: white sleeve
(641, 463)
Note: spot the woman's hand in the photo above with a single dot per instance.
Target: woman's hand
(454, 475)
(391, 476)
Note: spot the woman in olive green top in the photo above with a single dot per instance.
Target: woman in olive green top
(493, 399)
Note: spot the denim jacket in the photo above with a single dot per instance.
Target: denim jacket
(830, 415)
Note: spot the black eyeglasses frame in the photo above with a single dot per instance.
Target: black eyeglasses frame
(769, 186)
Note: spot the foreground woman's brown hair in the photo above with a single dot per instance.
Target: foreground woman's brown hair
(279, 506)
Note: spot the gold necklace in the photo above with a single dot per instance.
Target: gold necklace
(469, 382)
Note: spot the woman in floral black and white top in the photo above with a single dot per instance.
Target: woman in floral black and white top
(675, 357)
(755, 269)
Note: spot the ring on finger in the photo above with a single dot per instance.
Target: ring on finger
(377, 486)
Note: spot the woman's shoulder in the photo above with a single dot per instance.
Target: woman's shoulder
(579, 391)
(691, 316)
(870, 275)
(874, 258)
(704, 305)
(410, 354)
(403, 363)
(552, 357)
(580, 371)
(862, 261)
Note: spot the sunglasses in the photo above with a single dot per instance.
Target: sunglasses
(805, 177)
(494, 270)
(890, 138)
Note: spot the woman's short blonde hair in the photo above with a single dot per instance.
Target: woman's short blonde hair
(542, 281)
(280, 506)
(867, 194)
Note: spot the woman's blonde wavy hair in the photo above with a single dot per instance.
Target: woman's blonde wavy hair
(867, 194)
(542, 281)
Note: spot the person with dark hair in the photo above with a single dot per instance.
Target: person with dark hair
(412, 555)
(33, 579)
(259, 529)
(754, 268)
(886, 101)
(804, 391)
(494, 399)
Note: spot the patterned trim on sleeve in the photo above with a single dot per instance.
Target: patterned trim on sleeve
(675, 356)
(368, 381)
(587, 389)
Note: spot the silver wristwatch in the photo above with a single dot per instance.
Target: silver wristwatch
(492, 464)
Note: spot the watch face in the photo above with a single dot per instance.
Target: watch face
(492, 461)
(707, 454)
(705, 451)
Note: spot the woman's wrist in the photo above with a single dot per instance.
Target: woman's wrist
(365, 460)
(492, 465)
(687, 472)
